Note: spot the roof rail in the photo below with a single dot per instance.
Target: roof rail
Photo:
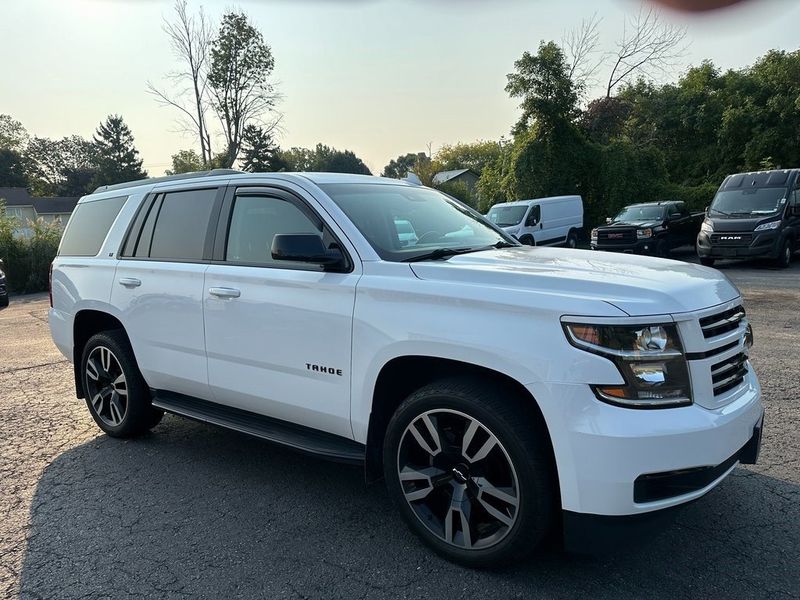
(151, 180)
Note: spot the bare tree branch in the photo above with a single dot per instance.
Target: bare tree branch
(648, 47)
(190, 38)
(581, 46)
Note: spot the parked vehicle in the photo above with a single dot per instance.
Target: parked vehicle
(3, 287)
(543, 222)
(500, 390)
(648, 228)
(753, 215)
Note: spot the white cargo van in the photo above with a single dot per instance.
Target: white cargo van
(542, 222)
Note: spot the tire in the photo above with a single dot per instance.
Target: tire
(518, 462)
(528, 240)
(572, 239)
(661, 249)
(707, 261)
(785, 255)
(116, 393)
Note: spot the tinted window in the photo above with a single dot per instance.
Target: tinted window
(181, 225)
(256, 220)
(89, 225)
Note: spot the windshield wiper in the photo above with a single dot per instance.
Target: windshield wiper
(503, 244)
(441, 253)
(722, 212)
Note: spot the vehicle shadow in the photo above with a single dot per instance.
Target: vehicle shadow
(192, 510)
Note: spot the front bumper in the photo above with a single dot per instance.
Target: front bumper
(601, 450)
(644, 246)
(761, 244)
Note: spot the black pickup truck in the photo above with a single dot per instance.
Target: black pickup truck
(651, 228)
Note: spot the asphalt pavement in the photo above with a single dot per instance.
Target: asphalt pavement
(196, 511)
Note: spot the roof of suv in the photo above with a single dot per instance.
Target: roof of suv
(318, 178)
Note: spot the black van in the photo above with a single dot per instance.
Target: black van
(753, 215)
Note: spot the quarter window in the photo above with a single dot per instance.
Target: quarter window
(89, 225)
(256, 220)
(181, 225)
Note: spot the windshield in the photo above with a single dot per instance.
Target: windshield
(505, 216)
(744, 203)
(641, 213)
(401, 222)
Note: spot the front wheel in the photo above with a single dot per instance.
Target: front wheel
(471, 472)
(707, 261)
(116, 393)
(527, 240)
(785, 256)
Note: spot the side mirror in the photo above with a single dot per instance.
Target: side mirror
(795, 212)
(609, 220)
(305, 247)
(705, 210)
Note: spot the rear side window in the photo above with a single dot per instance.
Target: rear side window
(89, 225)
(180, 225)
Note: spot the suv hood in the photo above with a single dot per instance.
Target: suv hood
(637, 285)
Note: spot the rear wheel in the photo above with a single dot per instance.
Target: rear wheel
(572, 239)
(470, 471)
(707, 261)
(785, 256)
(116, 394)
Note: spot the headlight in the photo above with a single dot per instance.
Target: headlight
(707, 227)
(644, 233)
(650, 359)
(594, 234)
(768, 226)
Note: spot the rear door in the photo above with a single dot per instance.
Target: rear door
(158, 286)
(278, 333)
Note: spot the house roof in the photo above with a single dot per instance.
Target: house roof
(445, 176)
(52, 205)
(14, 196)
(42, 206)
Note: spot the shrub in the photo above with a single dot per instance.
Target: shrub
(27, 261)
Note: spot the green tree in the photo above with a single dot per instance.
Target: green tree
(60, 167)
(117, 157)
(185, 161)
(12, 169)
(399, 167)
(13, 135)
(475, 156)
(543, 83)
(239, 80)
(260, 153)
(323, 159)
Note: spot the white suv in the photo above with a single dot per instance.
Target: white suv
(499, 389)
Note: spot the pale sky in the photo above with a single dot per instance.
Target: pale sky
(379, 77)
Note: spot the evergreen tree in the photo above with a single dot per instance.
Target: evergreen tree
(260, 153)
(117, 158)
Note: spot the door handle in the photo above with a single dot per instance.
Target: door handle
(223, 292)
(130, 282)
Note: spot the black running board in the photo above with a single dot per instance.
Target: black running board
(319, 443)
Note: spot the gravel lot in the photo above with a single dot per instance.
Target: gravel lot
(192, 510)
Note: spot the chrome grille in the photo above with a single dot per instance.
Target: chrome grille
(729, 373)
(723, 322)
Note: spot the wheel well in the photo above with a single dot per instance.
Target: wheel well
(401, 376)
(87, 323)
